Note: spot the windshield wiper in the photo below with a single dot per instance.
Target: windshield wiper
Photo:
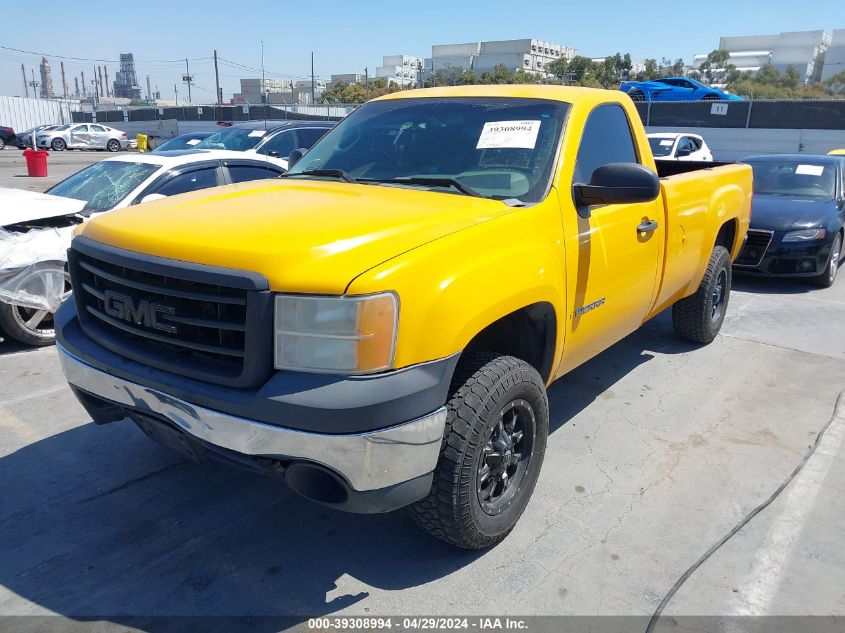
(435, 181)
(330, 173)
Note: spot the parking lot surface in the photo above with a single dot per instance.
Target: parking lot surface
(658, 448)
(60, 165)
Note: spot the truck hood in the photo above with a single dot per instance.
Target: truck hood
(784, 213)
(19, 205)
(302, 235)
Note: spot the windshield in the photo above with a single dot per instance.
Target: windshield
(794, 178)
(61, 127)
(238, 139)
(497, 147)
(661, 146)
(180, 142)
(103, 185)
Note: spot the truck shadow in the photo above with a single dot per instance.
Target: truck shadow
(99, 521)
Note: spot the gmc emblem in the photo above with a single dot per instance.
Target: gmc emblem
(143, 313)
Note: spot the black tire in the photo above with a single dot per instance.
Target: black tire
(13, 321)
(113, 145)
(496, 430)
(828, 277)
(2, 144)
(699, 317)
(58, 145)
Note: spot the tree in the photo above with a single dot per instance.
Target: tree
(650, 70)
(717, 60)
(677, 69)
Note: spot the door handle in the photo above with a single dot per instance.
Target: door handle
(647, 226)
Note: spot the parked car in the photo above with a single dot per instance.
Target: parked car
(272, 139)
(7, 135)
(379, 325)
(797, 217)
(82, 136)
(679, 146)
(23, 140)
(183, 141)
(43, 223)
(674, 89)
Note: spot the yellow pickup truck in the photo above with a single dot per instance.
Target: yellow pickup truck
(379, 326)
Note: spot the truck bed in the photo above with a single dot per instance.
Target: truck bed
(666, 168)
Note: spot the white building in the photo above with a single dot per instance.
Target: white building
(803, 50)
(347, 78)
(531, 55)
(834, 59)
(402, 70)
(278, 91)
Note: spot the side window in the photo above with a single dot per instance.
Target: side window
(189, 181)
(606, 139)
(310, 135)
(696, 144)
(246, 172)
(98, 128)
(79, 129)
(281, 145)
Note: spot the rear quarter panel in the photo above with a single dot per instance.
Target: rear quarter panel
(697, 204)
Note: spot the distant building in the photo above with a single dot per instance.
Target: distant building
(348, 78)
(126, 83)
(803, 50)
(46, 80)
(278, 91)
(834, 59)
(530, 55)
(403, 70)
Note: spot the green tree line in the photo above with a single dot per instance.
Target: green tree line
(767, 83)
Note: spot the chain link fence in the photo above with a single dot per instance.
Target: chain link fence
(805, 114)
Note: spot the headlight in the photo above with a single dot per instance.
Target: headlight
(344, 335)
(804, 235)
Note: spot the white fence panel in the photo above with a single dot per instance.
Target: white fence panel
(21, 113)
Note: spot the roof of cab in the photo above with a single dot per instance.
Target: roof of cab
(566, 94)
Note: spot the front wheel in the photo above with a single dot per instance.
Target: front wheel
(2, 144)
(699, 317)
(493, 447)
(826, 279)
(58, 145)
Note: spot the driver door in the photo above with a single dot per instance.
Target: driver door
(613, 251)
(79, 137)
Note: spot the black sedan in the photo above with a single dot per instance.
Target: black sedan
(183, 141)
(797, 217)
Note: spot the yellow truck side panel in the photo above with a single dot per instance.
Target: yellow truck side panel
(452, 288)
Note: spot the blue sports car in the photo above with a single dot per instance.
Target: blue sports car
(674, 89)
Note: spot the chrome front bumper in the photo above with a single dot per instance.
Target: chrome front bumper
(368, 461)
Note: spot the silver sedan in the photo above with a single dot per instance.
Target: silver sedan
(82, 136)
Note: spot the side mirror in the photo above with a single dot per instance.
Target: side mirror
(617, 183)
(273, 153)
(295, 156)
(150, 197)
(683, 152)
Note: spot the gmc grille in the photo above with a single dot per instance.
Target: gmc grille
(216, 330)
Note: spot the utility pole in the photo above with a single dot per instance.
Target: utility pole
(366, 81)
(34, 84)
(218, 92)
(313, 88)
(76, 85)
(149, 92)
(84, 88)
(106, 74)
(186, 78)
(263, 86)
(98, 73)
(64, 81)
(176, 92)
(25, 83)
(95, 95)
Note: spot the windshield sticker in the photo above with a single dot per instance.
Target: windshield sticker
(193, 141)
(258, 133)
(509, 134)
(667, 142)
(809, 170)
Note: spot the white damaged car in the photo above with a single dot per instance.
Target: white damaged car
(36, 228)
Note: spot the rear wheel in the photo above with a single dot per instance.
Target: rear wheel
(2, 144)
(58, 145)
(493, 447)
(699, 317)
(828, 277)
(113, 145)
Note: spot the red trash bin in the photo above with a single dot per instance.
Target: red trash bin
(36, 162)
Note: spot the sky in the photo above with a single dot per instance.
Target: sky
(348, 36)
